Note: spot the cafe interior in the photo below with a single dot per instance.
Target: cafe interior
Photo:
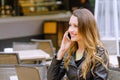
(31, 32)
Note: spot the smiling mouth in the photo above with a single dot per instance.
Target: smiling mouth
(73, 35)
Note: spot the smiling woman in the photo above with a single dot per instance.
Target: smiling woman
(84, 56)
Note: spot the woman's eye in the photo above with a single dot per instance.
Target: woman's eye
(76, 25)
(73, 25)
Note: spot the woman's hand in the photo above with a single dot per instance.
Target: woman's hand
(65, 45)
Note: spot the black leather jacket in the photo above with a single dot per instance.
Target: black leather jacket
(57, 70)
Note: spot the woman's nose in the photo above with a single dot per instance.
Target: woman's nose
(70, 29)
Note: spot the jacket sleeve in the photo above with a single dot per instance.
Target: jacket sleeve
(56, 70)
(100, 72)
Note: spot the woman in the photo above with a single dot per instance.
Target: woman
(83, 57)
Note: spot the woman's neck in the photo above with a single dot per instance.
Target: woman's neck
(79, 54)
(80, 51)
(81, 45)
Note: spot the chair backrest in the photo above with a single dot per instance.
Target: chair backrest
(8, 59)
(24, 46)
(7, 72)
(45, 45)
(114, 75)
(110, 45)
(27, 73)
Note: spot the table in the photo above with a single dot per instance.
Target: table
(27, 55)
(32, 54)
(35, 55)
(113, 60)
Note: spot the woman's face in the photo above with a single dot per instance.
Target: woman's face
(73, 29)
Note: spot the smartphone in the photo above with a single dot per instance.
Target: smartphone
(68, 36)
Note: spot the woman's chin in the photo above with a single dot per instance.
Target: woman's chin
(72, 39)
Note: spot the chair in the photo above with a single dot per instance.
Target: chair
(7, 65)
(114, 75)
(9, 59)
(7, 72)
(110, 45)
(45, 45)
(17, 46)
(27, 73)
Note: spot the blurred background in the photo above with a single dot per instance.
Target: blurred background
(21, 20)
(31, 24)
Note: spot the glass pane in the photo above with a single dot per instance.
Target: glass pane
(118, 4)
(105, 18)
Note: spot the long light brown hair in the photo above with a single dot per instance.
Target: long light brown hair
(88, 29)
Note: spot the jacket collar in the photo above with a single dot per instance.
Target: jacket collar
(72, 60)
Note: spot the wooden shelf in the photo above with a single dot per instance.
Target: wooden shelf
(39, 6)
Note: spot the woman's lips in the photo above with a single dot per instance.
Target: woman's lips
(73, 35)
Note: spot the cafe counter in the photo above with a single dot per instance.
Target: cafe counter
(12, 27)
